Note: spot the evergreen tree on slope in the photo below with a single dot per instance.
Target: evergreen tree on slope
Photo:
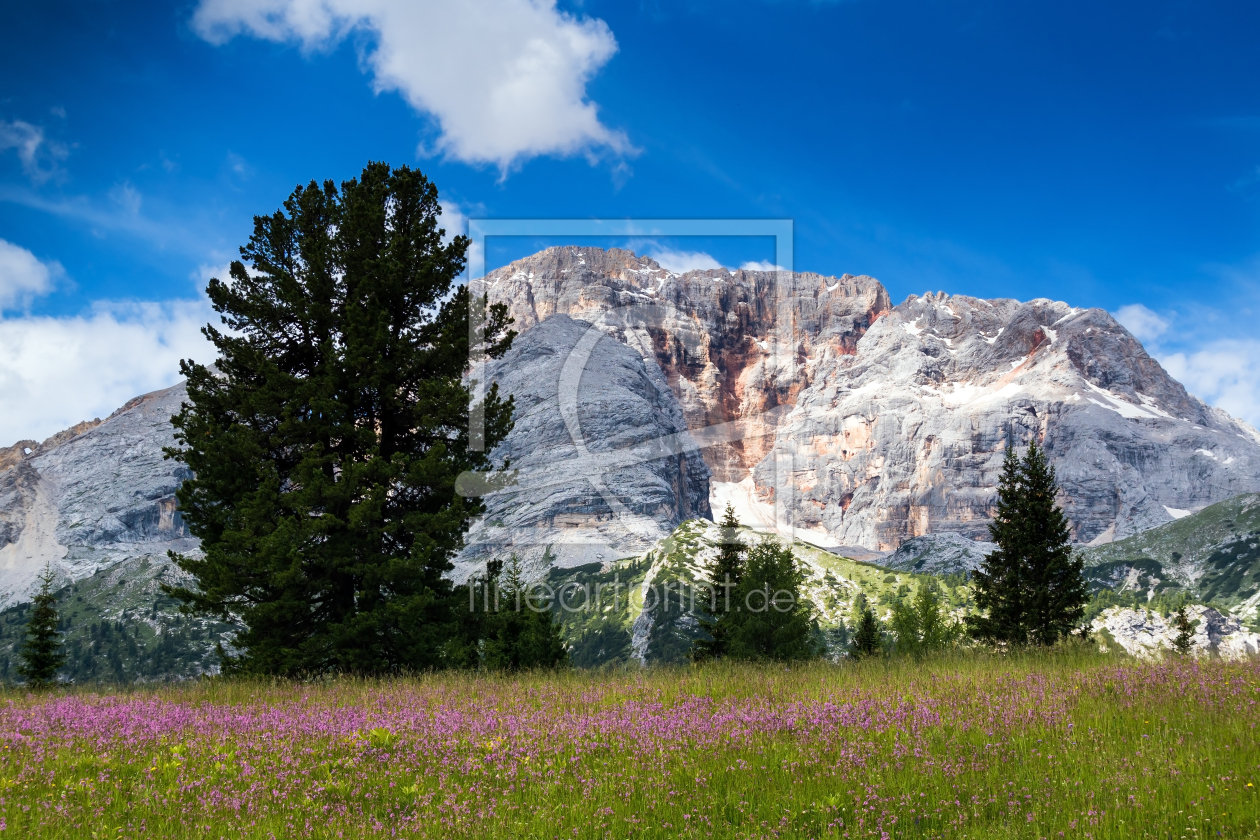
(1032, 586)
(326, 440)
(41, 653)
(866, 638)
(769, 619)
(727, 573)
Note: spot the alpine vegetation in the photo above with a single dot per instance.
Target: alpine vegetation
(41, 654)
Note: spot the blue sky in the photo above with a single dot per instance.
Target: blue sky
(1103, 154)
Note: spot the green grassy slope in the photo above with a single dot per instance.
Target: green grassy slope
(645, 610)
(1213, 556)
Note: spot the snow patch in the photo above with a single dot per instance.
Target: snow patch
(742, 496)
(1123, 407)
(1177, 513)
(1206, 452)
(913, 327)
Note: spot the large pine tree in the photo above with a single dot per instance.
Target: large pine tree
(1032, 588)
(727, 573)
(326, 439)
(41, 653)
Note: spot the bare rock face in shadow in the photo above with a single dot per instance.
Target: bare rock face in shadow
(605, 466)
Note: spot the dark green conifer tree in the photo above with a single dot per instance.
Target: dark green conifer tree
(519, 631)
(1185, 632)
(769, 619)
(41, 653)
(326, 439)
(866, 637)
(1032, 587)
(727, 573)
(921, 627)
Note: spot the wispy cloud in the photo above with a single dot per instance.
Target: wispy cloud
(40, 157)
(505, 80)
(1145, 324)
(1208, 346)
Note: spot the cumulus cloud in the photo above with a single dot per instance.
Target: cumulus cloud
(39, 155)
(761, 265)
(505, 80)
(1145, 324)
(55, 372)
(23, 276)
(681, 261)
(1225, 373)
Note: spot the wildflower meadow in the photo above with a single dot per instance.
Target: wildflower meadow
(1062, 744)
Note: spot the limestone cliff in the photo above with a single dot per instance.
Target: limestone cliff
(892, 421)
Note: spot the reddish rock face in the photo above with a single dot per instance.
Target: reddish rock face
(732, 345)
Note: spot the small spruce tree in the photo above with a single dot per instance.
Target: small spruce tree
(769, 619)
(1184, 640)
(727, 573)
(866, 638)
(1032, 588)
(502, 628)
(41, 654)
(920, 626)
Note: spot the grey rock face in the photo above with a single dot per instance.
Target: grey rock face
(605, 465)
(1148, 635)
(732, 345)
(939, 554)
(85, 501)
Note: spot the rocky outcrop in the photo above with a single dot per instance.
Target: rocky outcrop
(605, 467)
(1149, 635)
(939, 554)
(856, 423)
(91, 497)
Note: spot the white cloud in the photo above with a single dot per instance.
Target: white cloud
(504, 79)
(1225, 373)
(39, 155)
(681, 261)
(55, 372)
(1145, 324)
(23, 276)
(761, 265)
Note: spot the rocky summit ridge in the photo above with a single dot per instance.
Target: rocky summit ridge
(848, 421)
(91, 497)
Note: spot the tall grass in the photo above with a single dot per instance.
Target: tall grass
(1067, 744)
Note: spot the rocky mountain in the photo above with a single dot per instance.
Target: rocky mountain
(605, 465)
(647, 399)
(939, 554)
(847, 421)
